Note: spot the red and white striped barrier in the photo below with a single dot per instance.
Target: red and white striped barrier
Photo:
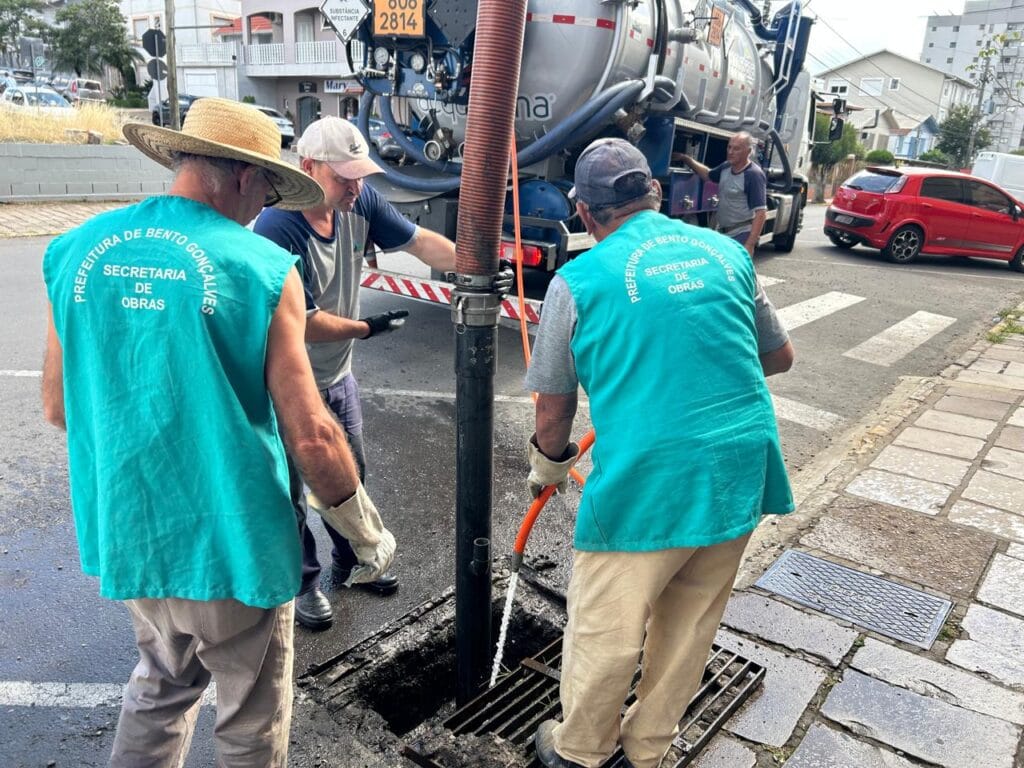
(438, 292)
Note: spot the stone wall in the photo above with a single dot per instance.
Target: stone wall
(34, 172)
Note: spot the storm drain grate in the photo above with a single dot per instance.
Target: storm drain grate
(882, 606)
(528, 695)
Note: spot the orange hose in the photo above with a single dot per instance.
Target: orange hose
(538, 504)
(588, 439)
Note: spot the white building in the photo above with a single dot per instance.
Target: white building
(909, 99)
(952, 43)
(205, 65)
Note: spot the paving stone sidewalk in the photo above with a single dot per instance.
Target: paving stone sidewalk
(940, 509)
(44, 219)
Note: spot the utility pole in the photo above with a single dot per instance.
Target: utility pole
(982, 82)
(172, 68)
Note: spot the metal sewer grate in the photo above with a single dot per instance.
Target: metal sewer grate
(528, 695)
(882, 606)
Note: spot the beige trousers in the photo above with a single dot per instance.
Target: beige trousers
(183, 644)
(676, 598)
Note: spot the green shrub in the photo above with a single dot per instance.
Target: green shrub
(879, 157)
(248, 99)
(936, 156)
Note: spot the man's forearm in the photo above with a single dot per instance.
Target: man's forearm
(756, 227)
(323, 326)
(555, 414)
(434, 250)
(695, 165)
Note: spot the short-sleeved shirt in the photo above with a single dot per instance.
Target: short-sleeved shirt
(179, 484)
(552, 368)
(739, 194)
(332, 266)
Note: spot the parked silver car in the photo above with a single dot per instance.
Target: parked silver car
(284, 125)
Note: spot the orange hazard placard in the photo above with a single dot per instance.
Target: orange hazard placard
(717, 26)
(399, 18)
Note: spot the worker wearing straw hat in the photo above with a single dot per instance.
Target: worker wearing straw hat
(175, 360)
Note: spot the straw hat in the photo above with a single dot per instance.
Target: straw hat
(224, 128)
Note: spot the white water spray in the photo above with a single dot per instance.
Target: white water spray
(499, 652)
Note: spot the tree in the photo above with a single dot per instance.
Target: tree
(825, 155)
(92, 34)
(999, 63)
(955, 135)
(18, 18)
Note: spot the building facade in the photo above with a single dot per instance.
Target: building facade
(953, 42)
(205, 65)
(899, 102)
(292, 60)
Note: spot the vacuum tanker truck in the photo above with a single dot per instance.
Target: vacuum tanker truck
(671, 76)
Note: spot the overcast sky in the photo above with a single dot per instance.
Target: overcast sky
(847, 29)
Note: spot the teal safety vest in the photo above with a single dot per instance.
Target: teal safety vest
(687, 451)
(179, 484)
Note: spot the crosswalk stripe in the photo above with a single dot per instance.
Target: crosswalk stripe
(805, 415)
(805, 312)
(20, 374)
(85, 695)
(766, 281)
(897, 341)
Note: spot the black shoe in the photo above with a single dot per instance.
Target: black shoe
(313, 610)
(544, 740)
(386, 584)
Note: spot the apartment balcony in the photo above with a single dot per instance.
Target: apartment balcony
(321, 58)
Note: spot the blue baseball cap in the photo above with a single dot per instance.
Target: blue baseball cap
(610, 173)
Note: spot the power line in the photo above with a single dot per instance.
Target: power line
(874, 64)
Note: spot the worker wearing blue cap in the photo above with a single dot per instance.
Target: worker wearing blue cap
(667, 330)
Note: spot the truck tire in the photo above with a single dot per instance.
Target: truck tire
(784, 243)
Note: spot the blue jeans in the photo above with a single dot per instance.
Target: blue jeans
(343, 401)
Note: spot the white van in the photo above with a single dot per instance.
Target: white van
(1005, 170)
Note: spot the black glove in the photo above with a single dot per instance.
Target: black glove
(504, 279)
(502, 284)
(384, 323)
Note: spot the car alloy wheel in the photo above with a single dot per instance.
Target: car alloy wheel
(905, 245)
(1017, 262)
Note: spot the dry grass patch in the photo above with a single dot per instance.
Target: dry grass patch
(61, 126)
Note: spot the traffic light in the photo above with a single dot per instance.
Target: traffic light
(835, 129)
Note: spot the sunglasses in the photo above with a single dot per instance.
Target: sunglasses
(273, 197)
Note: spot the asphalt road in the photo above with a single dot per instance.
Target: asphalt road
(57, 630)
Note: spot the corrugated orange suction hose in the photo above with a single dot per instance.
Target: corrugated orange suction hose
(588, 439)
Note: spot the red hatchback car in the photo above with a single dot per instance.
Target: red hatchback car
(908, 211)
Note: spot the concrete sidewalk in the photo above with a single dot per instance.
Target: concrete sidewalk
(934, 500)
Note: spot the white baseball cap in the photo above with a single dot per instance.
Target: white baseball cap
(339, 144)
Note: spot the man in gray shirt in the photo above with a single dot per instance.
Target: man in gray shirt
(742, 198)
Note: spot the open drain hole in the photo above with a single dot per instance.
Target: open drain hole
(418, 683)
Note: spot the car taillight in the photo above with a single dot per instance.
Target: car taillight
(533, 256)
(385, 135)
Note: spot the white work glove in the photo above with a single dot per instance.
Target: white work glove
(545, 471)
(358, 521)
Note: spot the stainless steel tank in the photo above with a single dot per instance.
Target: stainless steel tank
(575, 49)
